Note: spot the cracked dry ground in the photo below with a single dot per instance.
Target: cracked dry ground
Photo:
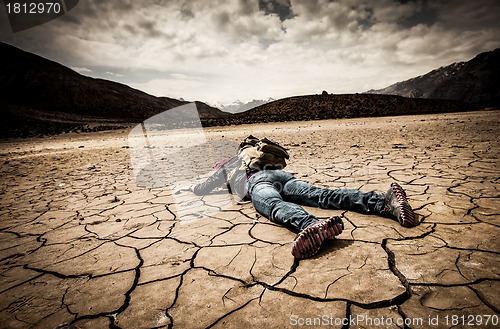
(81, 243)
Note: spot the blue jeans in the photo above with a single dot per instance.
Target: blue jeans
(276, 194)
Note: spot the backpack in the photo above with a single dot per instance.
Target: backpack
(262, 154)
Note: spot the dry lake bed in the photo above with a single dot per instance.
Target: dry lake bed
(82, 243)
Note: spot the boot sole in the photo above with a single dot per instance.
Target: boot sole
(407, 214)
(308, 241)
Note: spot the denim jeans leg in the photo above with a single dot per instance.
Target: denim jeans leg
(306, 194)
(267, 200)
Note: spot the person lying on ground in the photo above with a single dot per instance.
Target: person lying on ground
(277, 195)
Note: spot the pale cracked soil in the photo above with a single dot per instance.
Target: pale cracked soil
(82, 243)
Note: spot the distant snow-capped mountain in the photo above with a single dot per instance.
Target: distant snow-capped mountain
(238, 106)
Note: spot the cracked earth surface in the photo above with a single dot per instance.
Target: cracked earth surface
(82, 243)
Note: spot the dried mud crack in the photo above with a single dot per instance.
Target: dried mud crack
(82, 243)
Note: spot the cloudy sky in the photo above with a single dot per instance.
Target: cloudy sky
(219, 51)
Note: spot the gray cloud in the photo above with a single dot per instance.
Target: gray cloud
(464, 15)
(221, 19)
(282, 8)
(246, 7)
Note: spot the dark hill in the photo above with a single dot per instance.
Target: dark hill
(328, 106)
(40, 96)
(475, 81)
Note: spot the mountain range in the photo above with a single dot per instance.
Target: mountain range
(475, 81)
(41, 97)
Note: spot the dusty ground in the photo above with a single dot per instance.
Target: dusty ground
(81, 243)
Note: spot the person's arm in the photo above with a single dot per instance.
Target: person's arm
(217, 179)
